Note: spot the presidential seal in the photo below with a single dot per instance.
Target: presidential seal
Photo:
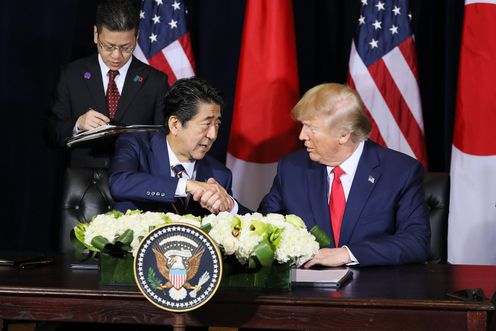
(178, 267)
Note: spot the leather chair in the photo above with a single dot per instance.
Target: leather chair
(436, 188)
(85, 194)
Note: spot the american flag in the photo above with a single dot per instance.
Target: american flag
(383, 69)
(164, 41)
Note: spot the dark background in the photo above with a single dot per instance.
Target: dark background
(39, 37)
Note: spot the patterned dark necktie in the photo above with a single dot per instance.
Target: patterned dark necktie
(180, 204)
(337, 204)
(113, 95)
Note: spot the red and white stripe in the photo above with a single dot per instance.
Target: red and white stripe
(176, 60)
(262, 130)
(177, 279)
(389, 90)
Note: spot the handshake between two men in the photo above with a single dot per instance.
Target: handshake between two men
(210, 195)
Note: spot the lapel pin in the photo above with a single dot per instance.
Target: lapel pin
(87, 75)
(371, 179)
(138, 78)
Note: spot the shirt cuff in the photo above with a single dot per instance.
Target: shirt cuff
(235, 207)
(75, 130)
(181, 188)
(353, 259)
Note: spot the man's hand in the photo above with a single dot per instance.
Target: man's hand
(91, 120)
(331, 257)
(211, 195)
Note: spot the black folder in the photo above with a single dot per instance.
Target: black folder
(109, 130)
(23, 259)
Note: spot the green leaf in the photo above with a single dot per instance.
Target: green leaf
(264, 253)
(99, 243)
(321, 237)
(133, 212)
(192, 217)
(207, 227)
(80, 230)
(252, 263)
(275, 237)
(79, 233)
(153, 279)
(126, 238)
(81, 252)
(296, 221)
(114, 213)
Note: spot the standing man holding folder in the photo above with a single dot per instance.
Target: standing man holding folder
(111, 86)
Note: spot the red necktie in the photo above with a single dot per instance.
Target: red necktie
(112, 94)
(337, 204)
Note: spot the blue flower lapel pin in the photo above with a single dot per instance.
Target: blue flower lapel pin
(87, 75)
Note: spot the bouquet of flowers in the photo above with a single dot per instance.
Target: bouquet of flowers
(254, 239)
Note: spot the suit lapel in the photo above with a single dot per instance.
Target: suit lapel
(203, 172)
(93, 79)
(159, 163)
(318, 189)
(134, 81)
(367, 175)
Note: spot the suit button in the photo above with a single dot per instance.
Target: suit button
(162, 194)
(147, 192)
(153, 193)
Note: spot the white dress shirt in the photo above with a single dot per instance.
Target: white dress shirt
(189, 173)
(349, 166)
(119, 81)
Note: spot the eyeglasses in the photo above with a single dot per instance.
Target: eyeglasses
(111, 49)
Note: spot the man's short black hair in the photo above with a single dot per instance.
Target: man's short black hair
(118, 15)
(185, 95)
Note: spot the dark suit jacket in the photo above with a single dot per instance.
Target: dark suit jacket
(385, 220)
(140, 175)
(80, 87)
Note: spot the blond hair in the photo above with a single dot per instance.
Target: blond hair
(340, 104)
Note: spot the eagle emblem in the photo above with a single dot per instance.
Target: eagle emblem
(179, 267)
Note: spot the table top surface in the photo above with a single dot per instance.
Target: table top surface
(409, 286)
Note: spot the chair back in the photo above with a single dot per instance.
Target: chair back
(437, 188)
(85, 194)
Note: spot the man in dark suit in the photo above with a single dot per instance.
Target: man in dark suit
(109, 87)
(170, 171)
(367, 198)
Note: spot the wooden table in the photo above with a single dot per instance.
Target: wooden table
(409, 297)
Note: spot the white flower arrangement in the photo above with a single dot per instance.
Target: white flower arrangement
(285, 238)
(252, 238)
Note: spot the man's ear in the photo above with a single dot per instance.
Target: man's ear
(344, 137)
(174, 125)
(95, 35)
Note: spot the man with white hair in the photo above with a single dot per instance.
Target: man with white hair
(367, 198)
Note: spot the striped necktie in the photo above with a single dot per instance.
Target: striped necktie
(180, 204)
